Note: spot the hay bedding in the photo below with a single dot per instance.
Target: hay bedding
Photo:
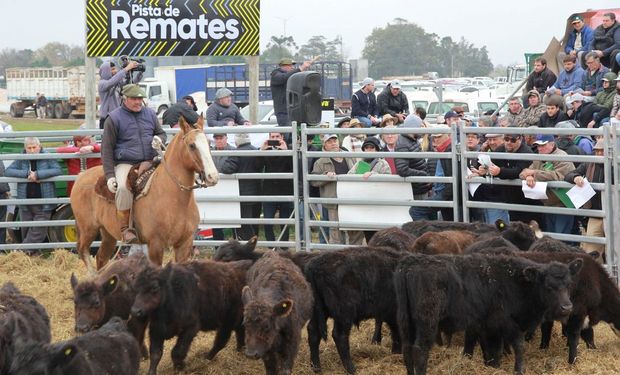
(47, 279)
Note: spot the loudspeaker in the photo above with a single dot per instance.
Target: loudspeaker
(303, 98)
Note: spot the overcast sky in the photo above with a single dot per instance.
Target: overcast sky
(508, 29)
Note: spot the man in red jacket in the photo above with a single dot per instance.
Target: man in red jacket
(82, 144)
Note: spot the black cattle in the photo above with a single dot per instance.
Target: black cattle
(110, 293)
(393, 237)
(499, 297)
(520, 234)
(22, 318)
(235, 250)
(490, 242)
(351, 285)
(594, 295)
(277, 304)
(548, 244)
(182, 299)
(108, 350)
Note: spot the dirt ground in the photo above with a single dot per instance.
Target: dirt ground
(47, 279)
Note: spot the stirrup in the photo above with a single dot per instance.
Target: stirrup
(128, 236)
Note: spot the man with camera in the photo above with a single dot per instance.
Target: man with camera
(277, 164)
(111, 82)
(131, 135)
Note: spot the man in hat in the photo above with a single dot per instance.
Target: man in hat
(452, 118)
(553, 112)
(592, 172)
(246, 164)
(541, 78)
(279, 78)
(332, 167)
(578, 40)
(110, 84)
(364, 103)
(182, 108)
(131, 135)
(410, 142)
(393, 101)
(550, 171)
(491, 192)
(223, 112)
(531, 115)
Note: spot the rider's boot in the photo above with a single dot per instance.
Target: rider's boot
(128, 234)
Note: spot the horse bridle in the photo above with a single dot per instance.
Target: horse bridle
(200, 182)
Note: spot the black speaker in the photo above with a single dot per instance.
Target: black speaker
(303, 98)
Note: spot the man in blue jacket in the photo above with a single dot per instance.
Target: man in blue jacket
(34, 171)
(569, 79)
(364, 104)
(131, 133)
(578, 40)
(110, 84)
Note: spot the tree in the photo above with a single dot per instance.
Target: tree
(403, 48)
(278, 48)
(319, 46)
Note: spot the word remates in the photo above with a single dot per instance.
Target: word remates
(166, 25)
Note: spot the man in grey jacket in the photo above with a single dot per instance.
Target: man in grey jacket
(110, 85)
(223, 112)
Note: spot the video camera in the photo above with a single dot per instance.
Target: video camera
(125, 60)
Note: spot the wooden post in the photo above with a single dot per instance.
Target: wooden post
(253, 76)
(90, 94)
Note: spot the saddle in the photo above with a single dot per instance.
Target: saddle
(138, 181)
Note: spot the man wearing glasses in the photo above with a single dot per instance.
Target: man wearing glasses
(578, 40)
(592, 81)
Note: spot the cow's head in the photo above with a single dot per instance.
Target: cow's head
(149, 289)
(520, 234)
(89, 301)
(262, 322)
(554, 282)
(235, 250)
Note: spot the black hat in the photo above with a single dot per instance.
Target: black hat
(345, 119)
(372, 141)
(172, 114)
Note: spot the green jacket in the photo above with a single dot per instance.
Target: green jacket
(605, 97)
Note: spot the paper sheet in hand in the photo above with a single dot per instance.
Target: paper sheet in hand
(484, 160)
(580, 195)
(539, 191)
(472, 186)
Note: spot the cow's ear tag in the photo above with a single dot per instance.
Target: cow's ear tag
(68, 352)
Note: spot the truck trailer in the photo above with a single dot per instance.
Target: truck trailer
(64, 89)
(170, 83)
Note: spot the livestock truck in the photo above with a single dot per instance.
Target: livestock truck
(64, 89)
(170, 83)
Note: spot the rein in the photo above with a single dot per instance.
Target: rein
(197, 184)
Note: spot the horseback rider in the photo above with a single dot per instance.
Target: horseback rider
(131, 135)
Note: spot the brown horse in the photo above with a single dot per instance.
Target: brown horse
(166, 217)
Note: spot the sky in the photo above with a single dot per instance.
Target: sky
(508, 29)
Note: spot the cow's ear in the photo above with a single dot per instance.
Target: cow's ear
(283, 308)
(74, 281)
(500, 225)
(251, 244)
(110, 285)
(575, 266)
(63, 356)
(246, 295)
(530, 273)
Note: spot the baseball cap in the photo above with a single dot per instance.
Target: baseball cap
(395, 84)
(450, 114)
(327, 137)
(287, 61)
(577, 97)
(532, 92)
(367, 81)
(133, 91)
(576, 18)
(543, 139)
(412, 121)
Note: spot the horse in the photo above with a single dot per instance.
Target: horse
(167, 216)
